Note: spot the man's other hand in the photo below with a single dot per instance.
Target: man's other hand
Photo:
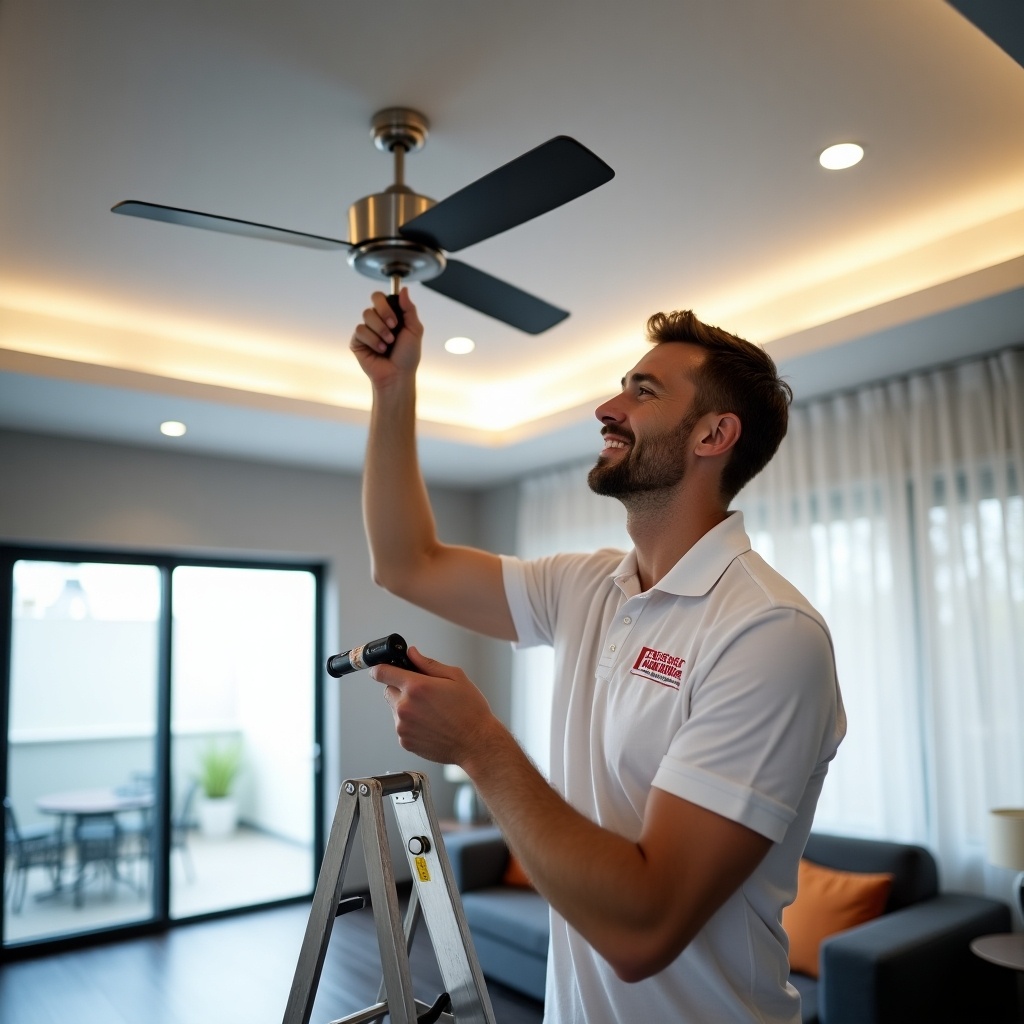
(439, 713)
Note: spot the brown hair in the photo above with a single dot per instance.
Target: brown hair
(738, 377)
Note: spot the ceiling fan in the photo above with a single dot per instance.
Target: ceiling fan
(399, 236)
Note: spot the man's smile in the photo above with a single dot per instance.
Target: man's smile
(615, 441)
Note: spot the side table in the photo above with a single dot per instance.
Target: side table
(1007, 950)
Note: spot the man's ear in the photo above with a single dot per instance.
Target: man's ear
(719, 433)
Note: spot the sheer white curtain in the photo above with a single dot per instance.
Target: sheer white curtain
(967, 459)
(898, 510)
(831, 513)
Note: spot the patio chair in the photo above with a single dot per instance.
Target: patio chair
(32, 846)
(98, 841)
(137, 834)
(136, 828)
(182, 823)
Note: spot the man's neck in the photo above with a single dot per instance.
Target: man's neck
(663, 526)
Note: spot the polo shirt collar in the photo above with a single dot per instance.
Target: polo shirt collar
(700, 568)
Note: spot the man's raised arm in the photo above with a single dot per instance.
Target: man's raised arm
(461, 584)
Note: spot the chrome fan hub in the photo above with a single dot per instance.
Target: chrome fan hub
(378, 250)
(385, 258)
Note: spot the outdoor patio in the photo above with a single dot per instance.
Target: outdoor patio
(246, 868)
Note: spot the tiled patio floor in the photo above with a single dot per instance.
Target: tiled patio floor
(245, 869)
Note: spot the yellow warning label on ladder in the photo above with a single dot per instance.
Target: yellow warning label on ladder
(422, 870)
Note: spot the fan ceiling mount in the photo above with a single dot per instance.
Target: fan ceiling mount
(399, 236)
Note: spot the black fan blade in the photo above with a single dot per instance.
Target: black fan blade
(534, 183)
(226, 225)
(504, 302)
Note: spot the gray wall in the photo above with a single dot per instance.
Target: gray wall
(496, 518)
(91, 494)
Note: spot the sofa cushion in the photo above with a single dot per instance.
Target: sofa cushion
(829, 901)
(511, 966)
(915, 874)
(518, 917)
(515, 875)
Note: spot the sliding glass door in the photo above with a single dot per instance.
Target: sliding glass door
(160, 752)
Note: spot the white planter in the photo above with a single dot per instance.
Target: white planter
(218, 817)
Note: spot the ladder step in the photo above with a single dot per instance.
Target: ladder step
(346, 906)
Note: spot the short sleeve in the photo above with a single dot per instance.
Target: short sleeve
(531, 631)
(543, 593)
(761, 719)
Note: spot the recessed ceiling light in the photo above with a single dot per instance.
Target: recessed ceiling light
(838, 158)
(173, 428)
(459, 346)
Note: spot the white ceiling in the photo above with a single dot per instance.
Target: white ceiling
(711, 112)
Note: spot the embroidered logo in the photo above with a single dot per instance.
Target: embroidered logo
(663, 668)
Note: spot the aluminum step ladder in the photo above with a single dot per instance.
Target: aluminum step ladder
(434, 897)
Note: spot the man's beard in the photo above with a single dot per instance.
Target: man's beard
(655, 464)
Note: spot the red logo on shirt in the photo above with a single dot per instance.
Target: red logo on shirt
(663, 668)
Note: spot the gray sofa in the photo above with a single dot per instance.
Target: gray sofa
(912, 964)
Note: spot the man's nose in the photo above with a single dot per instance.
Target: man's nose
(609, 412)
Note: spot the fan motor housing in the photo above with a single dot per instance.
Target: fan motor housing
(378, 250)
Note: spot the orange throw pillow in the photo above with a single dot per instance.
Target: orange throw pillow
(515, 875)
(829, 901)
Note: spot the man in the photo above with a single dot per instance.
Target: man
(695, 708)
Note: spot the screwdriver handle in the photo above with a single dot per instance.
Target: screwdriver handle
(396, 308)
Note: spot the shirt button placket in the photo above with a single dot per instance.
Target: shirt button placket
(617, 636)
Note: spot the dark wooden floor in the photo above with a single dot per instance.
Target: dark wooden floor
(219, 972)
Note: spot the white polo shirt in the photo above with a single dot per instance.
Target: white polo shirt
(717, 685)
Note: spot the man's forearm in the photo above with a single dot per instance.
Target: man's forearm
(600, 882)
(398, 519)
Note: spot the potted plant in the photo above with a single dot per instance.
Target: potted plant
(218, 809)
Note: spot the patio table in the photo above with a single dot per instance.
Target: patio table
(84, 806)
